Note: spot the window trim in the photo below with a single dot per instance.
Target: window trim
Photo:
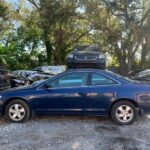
(67, 73)
(90, 80)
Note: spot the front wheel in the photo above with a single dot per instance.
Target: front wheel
(17, 111)
(124, 113)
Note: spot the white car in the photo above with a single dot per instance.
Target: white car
(51, 69)
(143, 73)
(23, 73)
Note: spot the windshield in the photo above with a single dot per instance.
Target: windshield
(87, 49)
(39, 82)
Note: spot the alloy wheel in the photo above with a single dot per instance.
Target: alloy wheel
(124, 113)
(16, 112)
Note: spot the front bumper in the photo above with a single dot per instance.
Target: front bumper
(1, 110)
(99, 63)
(73, 60)
(1, 106)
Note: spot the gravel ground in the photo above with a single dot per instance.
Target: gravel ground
(74, 133)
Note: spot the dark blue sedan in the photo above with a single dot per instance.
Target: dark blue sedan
(79, 92)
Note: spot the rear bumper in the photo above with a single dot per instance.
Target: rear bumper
(141, 112)
(144, 109)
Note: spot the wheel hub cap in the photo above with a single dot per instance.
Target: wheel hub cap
(124, 113)
(16, 112)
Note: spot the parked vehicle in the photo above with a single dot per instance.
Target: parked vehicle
(79, 92)
(143, 76)
(16, 82)
(134, 72)
(23, 73)
(89, 56)
(39, 76)
(50, 69)
(27, 77)
(5, 76)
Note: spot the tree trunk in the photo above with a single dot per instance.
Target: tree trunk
(143, 55)
(129, 64)
(123, 68)
(49, 48)
(59, 45)
(129, 59)
(121, 56)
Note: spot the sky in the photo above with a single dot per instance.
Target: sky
(15, 3)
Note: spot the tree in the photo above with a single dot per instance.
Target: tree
(62, 27)
(3, 15)
(21, 41)
(119, 24)
(145, 53)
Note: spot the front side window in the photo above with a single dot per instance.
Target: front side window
(98, 79)
(69, 80)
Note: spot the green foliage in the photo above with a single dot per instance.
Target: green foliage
(38, 32)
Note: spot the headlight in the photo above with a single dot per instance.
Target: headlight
(69, 56)
(101, 57)
(0, 97)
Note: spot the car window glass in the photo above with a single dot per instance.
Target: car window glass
(87, 49)
(98, 79)
(69, 80)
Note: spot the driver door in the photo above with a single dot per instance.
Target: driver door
(67, 93)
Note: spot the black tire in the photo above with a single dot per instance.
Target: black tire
(133, 113)
(22, 106)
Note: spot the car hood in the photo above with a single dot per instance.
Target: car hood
(17, 89)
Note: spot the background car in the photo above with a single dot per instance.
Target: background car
(26, 77)
(5, 76)
(134, 72)
(50, 69)
(39, 76)
(143, 76)
(89, 56)
(23, 73)
(79, 92)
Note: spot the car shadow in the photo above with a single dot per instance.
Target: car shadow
(70, 118)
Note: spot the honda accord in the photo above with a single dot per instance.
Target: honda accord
(79, 92)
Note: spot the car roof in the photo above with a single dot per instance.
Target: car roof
(86, 69)
(107, 73)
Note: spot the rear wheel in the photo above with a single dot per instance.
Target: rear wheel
(17, 111)
(124, 113)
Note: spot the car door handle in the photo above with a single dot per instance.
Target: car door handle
(82, 94)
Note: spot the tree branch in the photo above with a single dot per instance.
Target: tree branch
(145, 16)
(34, 4)
(79, 37)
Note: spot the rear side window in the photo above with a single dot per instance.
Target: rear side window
(98, 79)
